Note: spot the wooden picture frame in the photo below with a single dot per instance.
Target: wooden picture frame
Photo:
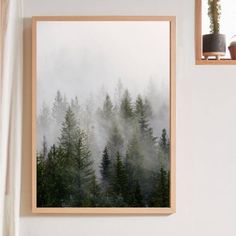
(198, 41)
(172, 119)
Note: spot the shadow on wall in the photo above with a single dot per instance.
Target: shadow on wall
(26, 130)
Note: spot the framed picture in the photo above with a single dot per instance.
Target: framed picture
(103, 114)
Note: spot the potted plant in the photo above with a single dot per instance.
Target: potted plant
(232, 48)
(214, 43)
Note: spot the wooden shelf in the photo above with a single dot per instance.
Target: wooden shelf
(215, 62)
(198, 41)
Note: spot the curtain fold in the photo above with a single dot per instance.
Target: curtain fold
(10, 115)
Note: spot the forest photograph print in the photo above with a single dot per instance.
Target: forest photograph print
(102, 114)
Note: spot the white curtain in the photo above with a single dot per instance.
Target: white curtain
(10, 115)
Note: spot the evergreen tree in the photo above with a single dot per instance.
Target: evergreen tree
(94, 198)
(126, 109)
(115, 142)
(77, 164)
(140, 113)
(138, 198)
(59, 108)
(120, 181)
(83, 169)
(69, 134)
(161, 192)
(41, 190)
(142, 110)
(45, 148)
(163, 150)
(51, 181)
(164, 143)
(107, 108)
(149, 141)
(135, 163)
(105, 166)
(65, 174)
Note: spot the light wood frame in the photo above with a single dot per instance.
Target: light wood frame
(198, 41)
(114, 210)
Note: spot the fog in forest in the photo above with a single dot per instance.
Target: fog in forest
(110, 82)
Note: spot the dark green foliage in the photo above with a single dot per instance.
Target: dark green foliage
(141, 114)
(94, 198)
(134, 170)
(161, 192)
(142, 111)
(105, 166)
(120, 181)
(77, 154)
(52, 190)
(69, 134)
(67, 169)
(138, 198)
(164, 143)
(41, 188)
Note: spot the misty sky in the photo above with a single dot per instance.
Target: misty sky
(79, 58)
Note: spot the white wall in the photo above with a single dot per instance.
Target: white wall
(206, 135)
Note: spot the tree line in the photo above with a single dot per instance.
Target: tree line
(116, 161)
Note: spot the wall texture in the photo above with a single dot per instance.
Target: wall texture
(206, 135)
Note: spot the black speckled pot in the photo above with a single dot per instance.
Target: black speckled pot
(214, 43)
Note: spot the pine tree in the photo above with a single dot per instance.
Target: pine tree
(148, 139)
(107, 108)
(164, 142)
(126, 109)
(69, 134)
(115, 142)
(163, 150)
(134, 153)
(51, 181)
(135, 162)
(59, 108)
(41, 181)
(45, 148)
(77, 163)
(138, 198)
(142, 111)
(105, 166)
(94, 197)
(141, 115)
(120, 181)
(83, 168)
(161, 192)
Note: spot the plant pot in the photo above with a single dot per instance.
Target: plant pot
(214, 45)
(232, 49)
